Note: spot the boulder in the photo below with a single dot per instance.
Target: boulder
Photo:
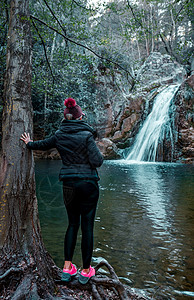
(108, 148)
(129, 122)
(117, 135)
(160, 69)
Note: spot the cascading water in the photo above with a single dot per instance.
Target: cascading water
(155, 128)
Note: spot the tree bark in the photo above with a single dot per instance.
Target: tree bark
(21, 247)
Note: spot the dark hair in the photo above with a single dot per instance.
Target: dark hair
(69, 117)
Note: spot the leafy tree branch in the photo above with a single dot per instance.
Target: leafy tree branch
(62, 27)
(44, 47)
(78, 4)
(169, 49)
(83, 46)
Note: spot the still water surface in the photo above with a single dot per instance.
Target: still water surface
(144, 223)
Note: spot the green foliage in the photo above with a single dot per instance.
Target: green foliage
(122, 31)
(69, 63)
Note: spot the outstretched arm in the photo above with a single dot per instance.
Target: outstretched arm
(45, 144)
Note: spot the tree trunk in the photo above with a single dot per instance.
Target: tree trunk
(21, 247)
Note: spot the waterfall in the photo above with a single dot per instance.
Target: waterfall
(156, 127)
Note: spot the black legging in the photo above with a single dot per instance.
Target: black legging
(80, 198)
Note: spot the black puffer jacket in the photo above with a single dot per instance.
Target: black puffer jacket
(75, 143)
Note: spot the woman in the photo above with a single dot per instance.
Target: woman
(80, 157)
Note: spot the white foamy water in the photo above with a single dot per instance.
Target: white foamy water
(155, 127)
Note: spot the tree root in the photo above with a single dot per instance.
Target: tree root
(24, 280)
(103, 287)
(22, 291)
(113, 283)
(95, 292)
(10, 271)
(29, 285)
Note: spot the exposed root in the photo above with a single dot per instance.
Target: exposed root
(109, 267)
(95, 292)
(23, 290)
(110, 283)
(102, 287)
(102, 294)
(10, 271)
(26, 283)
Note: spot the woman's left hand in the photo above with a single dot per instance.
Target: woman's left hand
(25, 137)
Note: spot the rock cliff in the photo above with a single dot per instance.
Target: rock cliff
(184, 121)
(118, 113)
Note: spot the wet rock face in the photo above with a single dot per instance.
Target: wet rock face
(184, 121)
(160, 69)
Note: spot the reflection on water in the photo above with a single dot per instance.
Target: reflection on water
(143, 227)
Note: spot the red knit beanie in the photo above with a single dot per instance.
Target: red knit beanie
(72, 108)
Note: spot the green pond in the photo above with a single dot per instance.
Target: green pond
(144, 224)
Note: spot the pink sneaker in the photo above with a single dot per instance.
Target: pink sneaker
(84, 277)
(67, 274)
